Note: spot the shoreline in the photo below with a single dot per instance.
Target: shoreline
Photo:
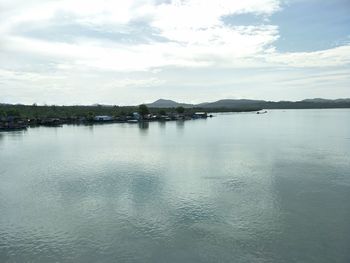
(20, 125)
(35, 116)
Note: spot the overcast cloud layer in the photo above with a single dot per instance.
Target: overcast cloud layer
(129, 52)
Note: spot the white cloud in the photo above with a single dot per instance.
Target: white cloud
(337, 56)
(27, 76)
(196, 39)
(182, 34)
(196, 35)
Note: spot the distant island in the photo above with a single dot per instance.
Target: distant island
(19, 116)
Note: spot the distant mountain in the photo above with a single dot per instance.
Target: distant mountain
(317, 100)
(231, 103)
(162, 103)
(320, 100)
(247, 104)
(226, 103)
(342, 100)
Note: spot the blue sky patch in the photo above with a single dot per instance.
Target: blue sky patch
(311, 25)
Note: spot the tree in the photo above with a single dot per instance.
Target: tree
(13, 113)
(143, 110)
(180, 110)
(90, 116)
(116, 110)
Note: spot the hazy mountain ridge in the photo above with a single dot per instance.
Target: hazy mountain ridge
(163, 103)
(318, 100)
(248, 103)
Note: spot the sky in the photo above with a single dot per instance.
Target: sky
(68, 52)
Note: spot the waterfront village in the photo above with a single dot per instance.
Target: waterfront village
(9, 123)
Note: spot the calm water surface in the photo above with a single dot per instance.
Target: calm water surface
(234, 188)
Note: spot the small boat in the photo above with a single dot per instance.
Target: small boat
(261, 112)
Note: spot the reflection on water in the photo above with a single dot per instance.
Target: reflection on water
(235, 188)
(90, 127)
(12, 135)
(162, 124)
(143, 126)
(180, 125)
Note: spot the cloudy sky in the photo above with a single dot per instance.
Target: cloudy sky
(129, 52)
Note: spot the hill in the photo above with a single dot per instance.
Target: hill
(246, 103)
(162, 103)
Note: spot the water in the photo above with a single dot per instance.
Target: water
(234, 188)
